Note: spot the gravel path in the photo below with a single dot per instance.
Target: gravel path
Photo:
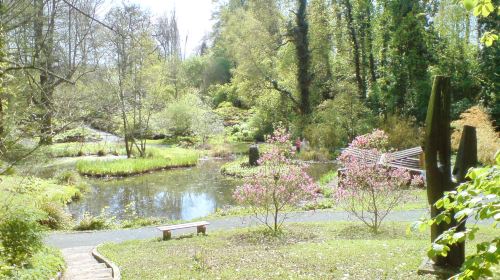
(78, 239)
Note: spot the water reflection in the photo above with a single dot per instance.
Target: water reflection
(175, 194)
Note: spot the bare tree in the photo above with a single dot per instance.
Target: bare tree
(51, 43)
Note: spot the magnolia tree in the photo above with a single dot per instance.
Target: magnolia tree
(278, 183)
(367, 188)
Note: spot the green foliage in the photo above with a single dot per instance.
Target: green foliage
(99, 222)
(162, 159)
(311, 154)
(239, 168)
(57, 217)
(21, 238)
(44, 264)
(327, 178)
(477, 199)
(488, 140)
(338, 121)
(85, 149)
(402, 132)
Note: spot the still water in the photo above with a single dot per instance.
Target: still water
(184, 194)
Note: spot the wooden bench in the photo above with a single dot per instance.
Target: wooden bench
(201, 227)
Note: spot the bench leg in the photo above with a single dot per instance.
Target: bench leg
(201, 229)
(167, 235)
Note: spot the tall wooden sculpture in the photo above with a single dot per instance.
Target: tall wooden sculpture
(438, 163)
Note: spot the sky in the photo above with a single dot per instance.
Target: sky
(194, 17)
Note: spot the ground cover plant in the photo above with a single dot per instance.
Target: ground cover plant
(160, 159)
(24, 215)
(305, 251)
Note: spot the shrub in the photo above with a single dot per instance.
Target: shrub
(277, 184)
(337, 121)
(367, 189)
(320, 154)
(402, 132)
(68, 177)
(45, 264)
(21, 238)
(488, 140)
(90, 222)
(57, 217)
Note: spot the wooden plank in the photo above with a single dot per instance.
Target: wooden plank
(181, 226)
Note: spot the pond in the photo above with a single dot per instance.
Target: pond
(179, 194)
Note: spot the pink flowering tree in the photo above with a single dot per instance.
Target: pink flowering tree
(279, 182)
(367, 188)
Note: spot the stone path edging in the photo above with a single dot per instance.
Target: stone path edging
(82, 265)
(115, 270)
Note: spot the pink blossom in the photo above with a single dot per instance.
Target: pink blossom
(279, 183)
(368, 189)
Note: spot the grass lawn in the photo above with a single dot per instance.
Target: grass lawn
(161, 158)
(307, 251)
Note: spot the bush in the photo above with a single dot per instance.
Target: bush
(90, 222)
(278, 184)
(57, 217)
(402, 132)
(488, 140)
(320, 154)
(21, 238)
(337, 121)
(45, 264)
(68, 177)
(367, 189)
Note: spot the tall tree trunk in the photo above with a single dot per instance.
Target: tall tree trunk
(373, 76)
(303, 57)
(356, 49)
(44, 58)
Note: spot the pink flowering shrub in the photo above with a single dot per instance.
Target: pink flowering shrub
(279, 183)
(367, 189)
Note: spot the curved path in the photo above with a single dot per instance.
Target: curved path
(94, 238)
